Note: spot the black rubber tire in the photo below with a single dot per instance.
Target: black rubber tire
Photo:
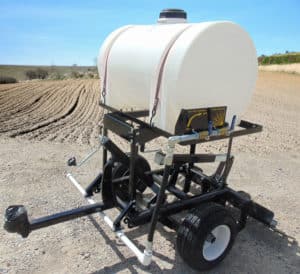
(195, 228)
(121, 190)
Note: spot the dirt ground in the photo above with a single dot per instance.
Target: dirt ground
(290, 68)
(33, 165)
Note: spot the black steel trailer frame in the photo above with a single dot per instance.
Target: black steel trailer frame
(138, 177)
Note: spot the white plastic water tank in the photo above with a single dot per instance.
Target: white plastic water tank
(186, 65)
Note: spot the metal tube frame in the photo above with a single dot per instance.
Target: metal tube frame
(138, 133)
(118, 122)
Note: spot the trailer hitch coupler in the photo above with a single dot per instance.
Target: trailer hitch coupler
(16, 220)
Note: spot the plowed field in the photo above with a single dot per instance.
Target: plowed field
(63, 111)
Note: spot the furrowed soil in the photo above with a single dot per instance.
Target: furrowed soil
(61, 111)
(43, 123)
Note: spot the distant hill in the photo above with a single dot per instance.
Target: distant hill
(54, 72)
(278, 59)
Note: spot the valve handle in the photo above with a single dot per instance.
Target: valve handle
(72, 161)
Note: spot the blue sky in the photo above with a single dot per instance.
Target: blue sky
(46, 32)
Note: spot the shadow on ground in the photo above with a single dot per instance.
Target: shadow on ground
(275, 247)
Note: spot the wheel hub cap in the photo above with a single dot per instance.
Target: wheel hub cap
(216, 242)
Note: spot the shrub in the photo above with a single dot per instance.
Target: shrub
(56, 76)
(279, 59)
(7, 80)
(31, 74)
(36, 74)
(90, 75)
(41, 73)
(76, 74)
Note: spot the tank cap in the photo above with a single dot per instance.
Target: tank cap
(172, 16)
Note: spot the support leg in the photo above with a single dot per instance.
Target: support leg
(188, 178)
(104, 156)
(132, 175)
(159, 202)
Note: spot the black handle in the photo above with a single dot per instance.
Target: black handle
(16, 220)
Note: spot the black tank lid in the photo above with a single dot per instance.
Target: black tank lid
(173, 13)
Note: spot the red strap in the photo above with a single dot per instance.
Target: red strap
(161, 70)
(108, 49)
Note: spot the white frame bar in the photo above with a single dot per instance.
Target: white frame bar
(145, 256)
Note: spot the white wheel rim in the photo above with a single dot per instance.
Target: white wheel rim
(216, 242)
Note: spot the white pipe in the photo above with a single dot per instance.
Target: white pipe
(144, 257)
